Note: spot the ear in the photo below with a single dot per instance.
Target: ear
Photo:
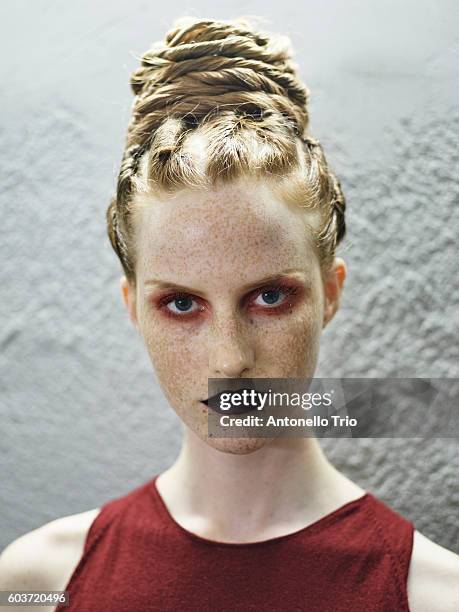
(128, 295)
(333, 285)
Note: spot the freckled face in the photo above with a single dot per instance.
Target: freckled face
(228, 285)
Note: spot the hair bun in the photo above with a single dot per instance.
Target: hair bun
(203, 64)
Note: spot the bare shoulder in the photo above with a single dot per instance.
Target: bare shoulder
(433, 577)
(44, 558)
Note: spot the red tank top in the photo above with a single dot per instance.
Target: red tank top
(137, 558)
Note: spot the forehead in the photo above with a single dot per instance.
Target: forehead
(231, 234)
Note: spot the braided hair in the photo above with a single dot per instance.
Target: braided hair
(239, 89)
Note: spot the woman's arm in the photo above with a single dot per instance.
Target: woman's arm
(44, 559)
(433, 578)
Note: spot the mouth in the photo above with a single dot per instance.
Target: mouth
(239, 407)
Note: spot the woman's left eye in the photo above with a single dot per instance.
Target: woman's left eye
(270, 297)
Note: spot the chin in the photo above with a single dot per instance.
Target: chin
(238, 446)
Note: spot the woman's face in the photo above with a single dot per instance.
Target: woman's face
(228, 285)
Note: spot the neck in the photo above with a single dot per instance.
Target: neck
(288, 481)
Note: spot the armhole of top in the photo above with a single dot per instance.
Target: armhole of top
(398, 545)
(97, 527)
(408, 551)
(94, 529)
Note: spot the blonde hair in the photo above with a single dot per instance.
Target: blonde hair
(239, 88)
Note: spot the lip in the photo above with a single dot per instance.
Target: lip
(213, 403)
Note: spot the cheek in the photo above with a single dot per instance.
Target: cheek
(174, 353)
(291, 343)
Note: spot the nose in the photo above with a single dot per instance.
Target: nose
(230, 353)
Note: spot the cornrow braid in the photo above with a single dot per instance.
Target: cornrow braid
(330, 193)
(116, 236)
(339, 204)
(117, 216)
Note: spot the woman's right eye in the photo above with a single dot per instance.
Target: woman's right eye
(181, 305)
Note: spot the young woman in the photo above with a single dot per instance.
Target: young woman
(226, 221)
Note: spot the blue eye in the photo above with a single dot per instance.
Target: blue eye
(182, 304)
(271, 296)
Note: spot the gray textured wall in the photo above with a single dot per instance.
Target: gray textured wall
(77, 390)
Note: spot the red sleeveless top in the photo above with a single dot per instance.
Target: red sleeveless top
(137, 558)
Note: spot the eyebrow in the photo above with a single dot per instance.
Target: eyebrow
(262, 281)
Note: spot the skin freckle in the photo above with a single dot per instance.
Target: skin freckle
(215, 243)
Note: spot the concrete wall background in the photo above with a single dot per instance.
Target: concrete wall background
(77, 393)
